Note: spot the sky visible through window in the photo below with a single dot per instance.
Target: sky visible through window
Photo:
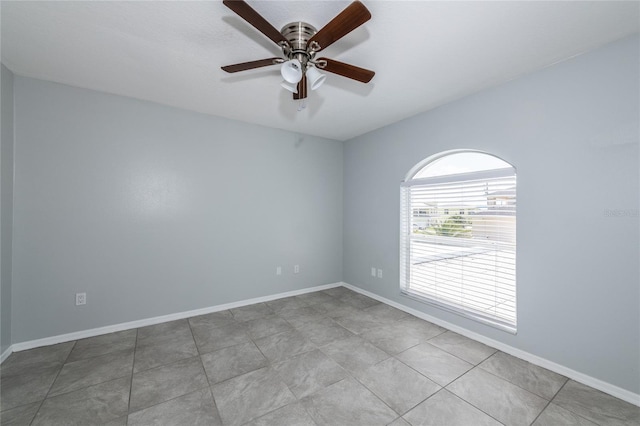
(464, 162)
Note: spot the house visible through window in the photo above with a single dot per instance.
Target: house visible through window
(458, 241)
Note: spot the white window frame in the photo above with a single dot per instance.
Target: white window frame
(406, 231)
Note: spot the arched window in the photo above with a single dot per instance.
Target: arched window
(458, 236)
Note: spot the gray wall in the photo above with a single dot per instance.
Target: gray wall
(6, 206)
(153, 210)
(571, 131)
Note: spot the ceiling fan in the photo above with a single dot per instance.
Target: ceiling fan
(300, 42)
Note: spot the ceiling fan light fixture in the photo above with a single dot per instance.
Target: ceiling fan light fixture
(316, 78)
(292, 87)
(300, 42)
(291, 71)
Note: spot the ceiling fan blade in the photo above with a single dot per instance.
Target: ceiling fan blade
(251, 65)
(302, 89)
(246, 12)
(348, 20)
(347, 70)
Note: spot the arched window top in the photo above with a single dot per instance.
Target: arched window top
(458, 236)
(456, 163)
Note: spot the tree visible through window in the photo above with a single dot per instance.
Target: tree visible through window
(459, 251)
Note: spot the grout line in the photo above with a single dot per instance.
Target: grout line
(54, 381)
(541, 411)
(473, 405)
(517, 385)
(171, 399)
(549, 403)
(193, 336)
(270, 364)
(565, 408)
(204, 370)
(133, 364)
(453, 355)
(375, 394)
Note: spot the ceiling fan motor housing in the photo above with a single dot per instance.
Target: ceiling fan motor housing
(298, 34)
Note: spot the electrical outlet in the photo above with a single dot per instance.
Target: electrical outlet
(379, 273)
(279, 270)
(296, 269)
(81, 299)
(373, 271)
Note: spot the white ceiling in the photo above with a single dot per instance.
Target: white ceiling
(425, 53)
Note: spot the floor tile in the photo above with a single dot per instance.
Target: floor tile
(500, 399)
(233, 361)
(359, 301)
(336, 308)
(160, 333)
(93, 405)
(338, 292)
(284, 345)
(597, 406)
(161, 384)
(555, 415)
(251, 312)
(314, 298)
(286, 304)
(348, 403)
(30, 386)
(91, 371)
(151, 356)
(21, 362)
(436, 364)
(216, 319)
(444, 408)
(422, 324)
(535, 379)
(309, 372)
(386, 313)
(267, 326)
(19, 416)
(399, 386)
(250, 396)
(324, 331)
(401, 335)
(360, 321)
(212, 337)
(289, 415)
(399, 422)
(354, 353)
(120, 421)
(157, 346)
(463, 347)
(302, 316)
(102, 345)
(193, 409)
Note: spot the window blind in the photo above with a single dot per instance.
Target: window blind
(458, 243)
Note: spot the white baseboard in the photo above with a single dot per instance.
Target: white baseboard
(6, 353)
(16, 347)
(601, 385)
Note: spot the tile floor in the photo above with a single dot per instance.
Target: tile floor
(328, 358)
